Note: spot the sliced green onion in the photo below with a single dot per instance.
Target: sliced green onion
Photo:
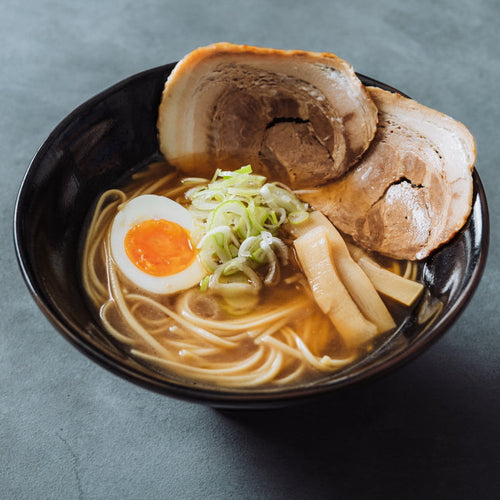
(247, 169)
(240, 214)
(204, 283)
(297, 217)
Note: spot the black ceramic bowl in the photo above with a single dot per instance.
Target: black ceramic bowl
(115, 132)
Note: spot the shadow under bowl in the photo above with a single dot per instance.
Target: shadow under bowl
(114, 133)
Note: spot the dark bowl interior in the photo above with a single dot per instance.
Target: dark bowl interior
(114, 133)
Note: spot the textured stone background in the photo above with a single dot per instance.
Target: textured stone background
(69, 429)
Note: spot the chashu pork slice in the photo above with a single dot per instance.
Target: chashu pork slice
(303, 118)
(412, 190)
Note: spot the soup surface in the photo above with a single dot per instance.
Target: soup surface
(235, 323)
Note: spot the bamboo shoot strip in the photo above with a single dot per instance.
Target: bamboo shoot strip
(353, 277)
(313, 251)
(390, 284)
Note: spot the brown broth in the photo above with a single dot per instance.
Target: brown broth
(322, 340)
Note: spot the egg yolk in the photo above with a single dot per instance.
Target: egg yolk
(159, 247)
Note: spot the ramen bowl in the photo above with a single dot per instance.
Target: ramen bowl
(113, 134)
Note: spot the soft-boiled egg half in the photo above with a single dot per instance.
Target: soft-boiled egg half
(151, 244)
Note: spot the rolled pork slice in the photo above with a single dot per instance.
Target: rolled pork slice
(303, 118)
(412, 190)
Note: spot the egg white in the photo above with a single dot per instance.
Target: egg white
(144, 208)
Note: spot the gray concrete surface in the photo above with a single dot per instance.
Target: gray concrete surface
(71, 430)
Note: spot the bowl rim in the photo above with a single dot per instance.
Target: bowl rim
(228, 398)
